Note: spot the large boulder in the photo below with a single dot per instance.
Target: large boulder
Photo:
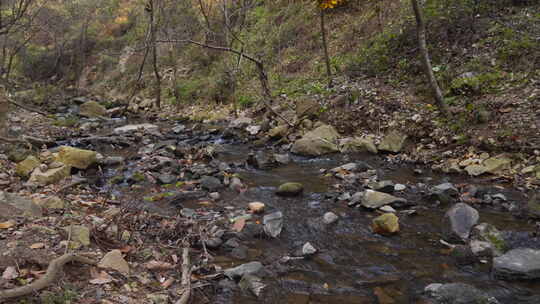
(392, 142)
(322, 140)
(521, 263)
(25, 168)
(12, 205)
(92, 109)
(77, 158)
(458, 221)
(49, 176)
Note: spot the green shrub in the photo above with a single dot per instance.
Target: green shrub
(470, 85)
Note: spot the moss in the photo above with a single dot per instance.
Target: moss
(476, 84)
(68, 121)
(138, 177)
(497, 242)
(116, 179)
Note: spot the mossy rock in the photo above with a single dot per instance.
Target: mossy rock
(77, 158)
(290, 189)
(25, 168)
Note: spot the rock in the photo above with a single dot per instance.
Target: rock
(252, 283)
(114, 260)
(320, 141)
(51, 202)
(330, 218)
(236, 184)
(80, 234)
(134, 128)
(214, 195)
(481, 248)
(306, 108)
(393, 142)
(253, 130)
(475, 170)
(158, 298)
(308, 249)
(387, 209)
(488, 233)
(290, 189)
(25, 168)
(166, 178)
(273, 224)
(256, 207)
(240, 123)
(446, 188)
(251, 268)
(77, 158)
(347, 167)
(12, 205)
(520, 264)
(356, 144)
(282, 158)
(111, 160)
(386, 186)
(374, 199)
(213, 243)
(458, 221)
(386, 224)
(278, 132)
(92, 109)
(178, 129)
(261, 160)
(497, 164)
(458, 293)
(240, 253)
(211, 183)
(50, 176)
(533, 206)
(399, 187)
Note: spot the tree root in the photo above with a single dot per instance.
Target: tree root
(186, 277)
(50, 276)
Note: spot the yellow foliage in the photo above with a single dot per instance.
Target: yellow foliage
(121, 20)
(326, 4)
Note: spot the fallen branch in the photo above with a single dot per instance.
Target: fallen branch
(50, 276)
(186, 277)
(28, 108)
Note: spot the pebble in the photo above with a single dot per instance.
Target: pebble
(256, 207)
(329, 218)
(399, 187)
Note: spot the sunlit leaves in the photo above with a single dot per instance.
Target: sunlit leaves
(326, 4)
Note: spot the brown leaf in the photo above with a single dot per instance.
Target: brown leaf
(102, 278)
(6, 225)
(157, 265)
(37, 246)
(239, 225)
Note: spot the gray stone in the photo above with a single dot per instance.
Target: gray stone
(50, 176)
(308, 249)
(112, 160)
(359, 145)
(213, 243)
(253, 284)
(158, 298)
(446, 188)
(386, 186)
(521, 263)
(458, 221)
(114, 260)
(211, 183)
(320, 141)
(374, 199)
(399, 187)
(92, 109)
(273, 224)
(329, 218)
(241, 122)
(481, 248)
(488, 233)
(346, 167)
(393, 142)
(282, 158)
(251, 268)
(133, 128)
(458, 293)
(12, 205)
(166, 178)
(178, 129)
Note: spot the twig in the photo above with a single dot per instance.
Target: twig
(52, 271)
(69, 238)
(186, 276)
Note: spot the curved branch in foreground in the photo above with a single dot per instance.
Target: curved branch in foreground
(50, 276)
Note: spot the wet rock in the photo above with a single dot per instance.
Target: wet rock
(77, 158)
(251, 268)
(386, 224)
(50, 176)
(388, 209)
(278, 132)
(458, 221)
(357, 144)
(214, 195)
(25, 168)
(211, 183)
(236, 184)
(231, 244)
(308, 249)
(253, 130)
(320, 141)
(306, 107)
(444, 193)
(12, 205)
(134, 128)
(521, 264)
(282, 158)
(79, 234)
(240, 253)
(386, 186)
(178, 129)
(92, 109)
(114, 260)
(533, 206)
(158, 298)
(261, 160)
(166, 178)
(481, 248)
(475, 170)
(393, 142)
(345, 167)
(458, 293)
(256, 207)
(240, 123)
(112, 160)
(273, 224)
(330, 218)
(252, 284)
(374, 199)
(290, 189)
(497, 164)
(213, 243)
(488, 233)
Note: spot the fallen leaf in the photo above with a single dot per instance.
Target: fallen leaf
(10, 273)
(126, 249)
(37, 246)
(6, 225)
(175, 258)
(157, 265)
(167, 283)
(239, 225)
(102, 278)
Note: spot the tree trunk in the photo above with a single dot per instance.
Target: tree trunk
(325, 47)
(426, 62)
(4, 107)
(157, 87)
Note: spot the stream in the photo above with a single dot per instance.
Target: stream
(352, 264)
